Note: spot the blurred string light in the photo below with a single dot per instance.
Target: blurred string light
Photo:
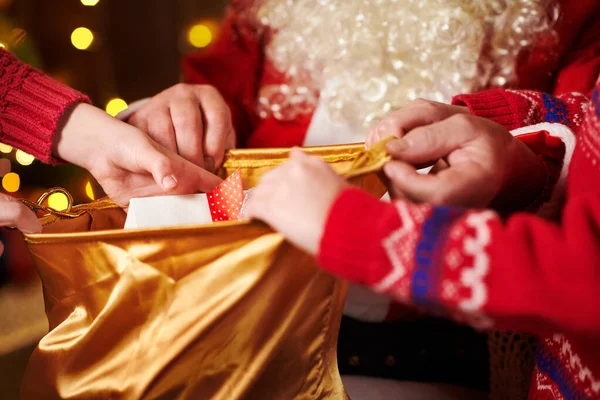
(200, 35)
(82, 38)
(115, 106)
(2, 46)
(89, 191)
(58, 201)
(11, 182)
(24, 158)
(4, 148)
(89, 3)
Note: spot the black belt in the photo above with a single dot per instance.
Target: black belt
(421, 350)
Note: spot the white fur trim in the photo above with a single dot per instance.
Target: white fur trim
(551, 208)
(133, 107)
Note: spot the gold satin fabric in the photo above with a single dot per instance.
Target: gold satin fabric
(222, 311)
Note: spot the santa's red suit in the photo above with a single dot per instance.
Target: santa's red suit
(263, 84)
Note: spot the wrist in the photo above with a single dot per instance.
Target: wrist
(81, 137)
(524, 179)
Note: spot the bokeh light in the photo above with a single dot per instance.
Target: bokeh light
(58, 201)
(200, 35)
(89, 191)
(89, 3)
(11, 182)
(82, 38)
(24, 158)
(4, 148)
(115, 106)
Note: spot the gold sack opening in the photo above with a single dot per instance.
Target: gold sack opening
(222, 311)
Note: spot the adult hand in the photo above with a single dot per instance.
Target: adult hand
(481, 162)
(418, 113)
(192, 120)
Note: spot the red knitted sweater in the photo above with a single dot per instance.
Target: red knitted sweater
(524, 273)
(31, 106)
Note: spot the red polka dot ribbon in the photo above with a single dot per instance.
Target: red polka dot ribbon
(225, 202)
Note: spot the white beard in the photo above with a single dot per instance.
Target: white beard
(367, 57)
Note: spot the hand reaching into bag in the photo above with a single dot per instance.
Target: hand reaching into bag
(124, 160)
(294, 199)
(191, 120)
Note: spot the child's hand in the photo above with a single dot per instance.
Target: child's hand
(124, 160)
(481, 160)
(295, 199)
(16, 214)
(418, 113)
(192, 120)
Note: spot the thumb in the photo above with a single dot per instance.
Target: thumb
(173, 173)
(16, 214)
(297, 154)
(427, 144)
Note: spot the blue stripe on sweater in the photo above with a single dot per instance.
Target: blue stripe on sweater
(429, 256)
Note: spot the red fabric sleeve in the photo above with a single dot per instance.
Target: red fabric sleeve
(525, 274)
(518, 108)
(580, 65)
(233, 65)
(550, 151)
(31, 106)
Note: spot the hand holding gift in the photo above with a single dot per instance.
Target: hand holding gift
(295, 198)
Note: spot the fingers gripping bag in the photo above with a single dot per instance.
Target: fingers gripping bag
(227, 310)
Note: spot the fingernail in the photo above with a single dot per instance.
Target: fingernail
(169, 182)
(209, 163)
(397, 146)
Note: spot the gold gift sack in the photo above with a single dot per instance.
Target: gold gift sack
(222, 311)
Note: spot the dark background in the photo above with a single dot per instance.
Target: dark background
(137, 48)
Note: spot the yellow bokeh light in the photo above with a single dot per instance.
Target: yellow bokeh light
(11, 182)
(4, 148)
(115, 106)
(82, 38)
(58, 201)
(89, 2)
(2, 45)
(200, 35)
(89, 191)
(24, 158)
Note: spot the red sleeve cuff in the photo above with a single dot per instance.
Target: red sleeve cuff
(550, 150)
(352, 241)
(32, 105)
(506, 108)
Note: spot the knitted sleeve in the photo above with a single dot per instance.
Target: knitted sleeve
(31, 105)
(523, 273)
(515, 109)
